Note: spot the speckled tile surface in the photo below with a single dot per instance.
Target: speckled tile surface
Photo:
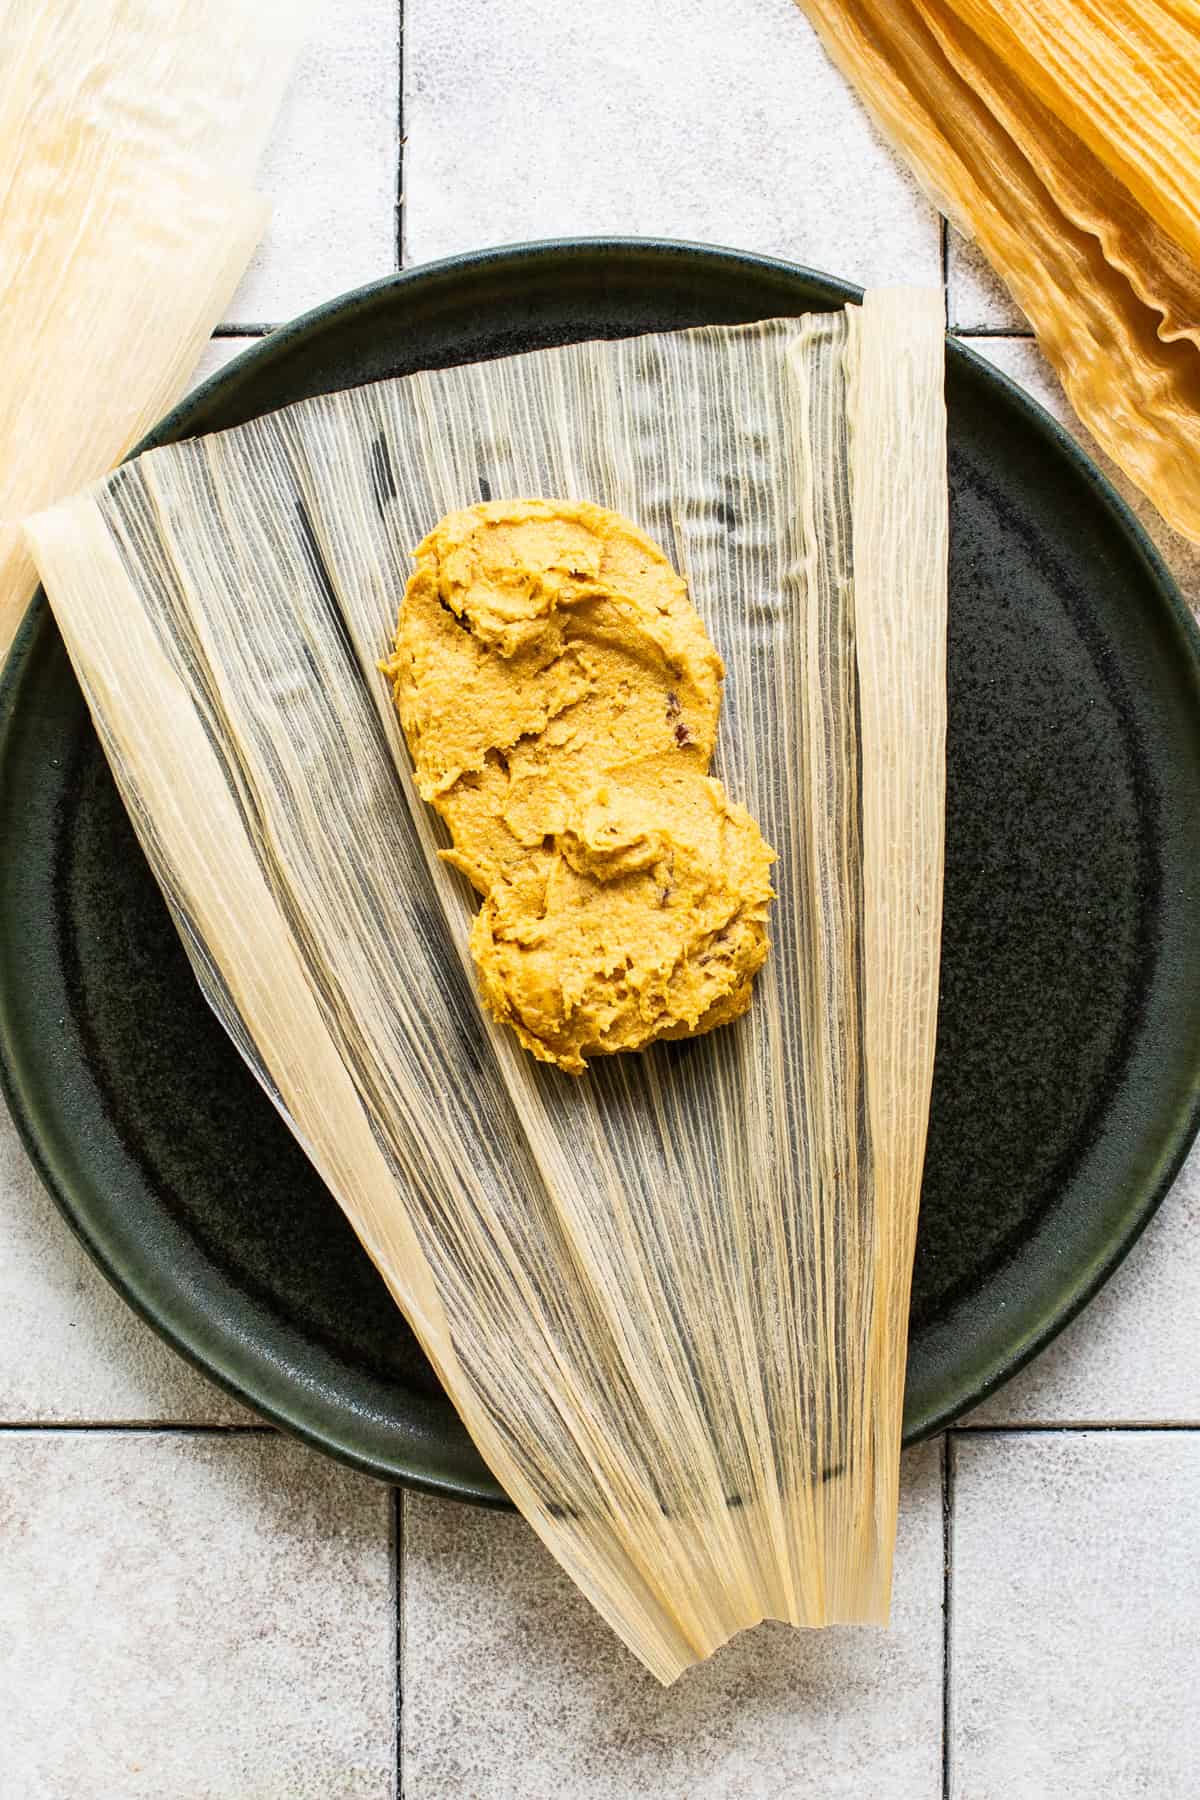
(197, 1618)
(712, 119)
(977, 299)
(1075, 1623)
(70, 1349)
(515, 1690)
(331, 168)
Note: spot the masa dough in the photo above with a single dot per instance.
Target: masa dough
(560, 698)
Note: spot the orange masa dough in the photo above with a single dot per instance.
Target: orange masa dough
(560, 698)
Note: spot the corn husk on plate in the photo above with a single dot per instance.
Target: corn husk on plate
(1068, 873)
(668, 1300)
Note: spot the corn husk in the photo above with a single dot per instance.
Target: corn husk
(1064, 140)
(130, 130)
(668, 1299)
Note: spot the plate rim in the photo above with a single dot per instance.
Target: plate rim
(267, 348)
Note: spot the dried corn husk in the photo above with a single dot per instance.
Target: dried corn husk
(1064, 139)
(130, 130)
(669, 1299)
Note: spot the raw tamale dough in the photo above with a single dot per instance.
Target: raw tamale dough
(560, 699)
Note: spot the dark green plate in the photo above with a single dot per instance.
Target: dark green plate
(1066, 1086)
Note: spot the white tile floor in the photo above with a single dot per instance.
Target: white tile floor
(192, 1616)
(977, 299)
(189, 1609)
(515, 1690)
(1075, 1616)
(331, 167)
(711, 119)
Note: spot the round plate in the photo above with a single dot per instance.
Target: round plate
(1065, 1092)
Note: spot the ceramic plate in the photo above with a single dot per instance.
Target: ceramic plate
(1065, 1092)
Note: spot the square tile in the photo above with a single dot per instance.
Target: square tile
(718, 120)
(1075, 1617)
(977, 298)
(207, 1617)
(514, 1689)
(70, 1348)
(331, 166)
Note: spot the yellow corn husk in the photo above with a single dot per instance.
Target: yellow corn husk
(130, 130)
(1063, 139)
(1124, 78)
(669, 1299)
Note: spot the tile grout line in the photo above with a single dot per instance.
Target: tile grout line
(944, 247)
(400, 206)
(184, 1428)
(1112, 1427)
(947, 1552)
(398, 1593)
(147, 1426)
(1022, 333)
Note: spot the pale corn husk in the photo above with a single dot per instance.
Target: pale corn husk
(669, 1299)
(130, 131)
(1064, 140)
